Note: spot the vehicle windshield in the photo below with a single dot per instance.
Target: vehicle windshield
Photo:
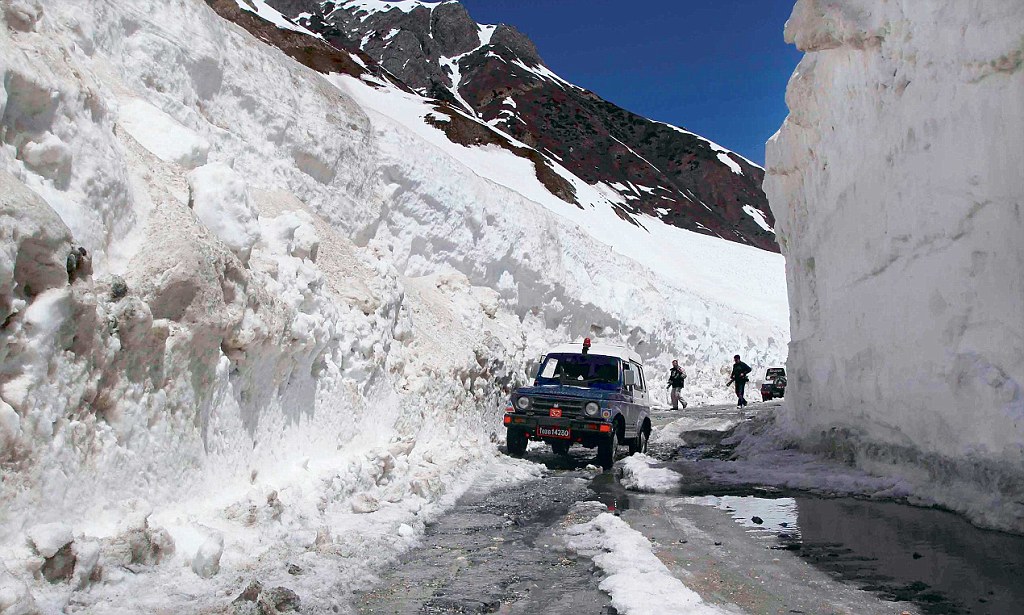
(584, 370)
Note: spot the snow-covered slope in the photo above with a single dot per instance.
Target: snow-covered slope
(300, 313)
(897, 186)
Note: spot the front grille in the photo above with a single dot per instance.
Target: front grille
(570, 407)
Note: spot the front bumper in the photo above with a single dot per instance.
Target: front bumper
(578, 427)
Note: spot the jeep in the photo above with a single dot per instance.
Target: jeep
(774, 385)
(591, 395)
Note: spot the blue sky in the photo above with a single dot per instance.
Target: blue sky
(716, 67)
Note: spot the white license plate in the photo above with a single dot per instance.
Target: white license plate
(554, 432)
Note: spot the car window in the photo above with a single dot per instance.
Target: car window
(580, 370)
(640, 384)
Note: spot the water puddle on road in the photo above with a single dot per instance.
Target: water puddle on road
(930, 557)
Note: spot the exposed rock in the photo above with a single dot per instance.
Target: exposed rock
(60, 566)
(255, 600)
(453, 30)
(118, 288)
(518, 43)
(250, 594)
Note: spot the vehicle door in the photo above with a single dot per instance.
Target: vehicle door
(628, 410)
(641, 400)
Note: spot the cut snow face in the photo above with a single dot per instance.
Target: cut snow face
(910, 357)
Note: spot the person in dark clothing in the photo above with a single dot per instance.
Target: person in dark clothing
(676, 382)
(739, 376)
(78, 264)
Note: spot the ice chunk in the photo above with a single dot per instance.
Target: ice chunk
(220, 199)
(206, 562)
(49, 538)
(639, 475)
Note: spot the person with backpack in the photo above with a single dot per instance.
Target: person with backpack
(676, 382)
(739, 376)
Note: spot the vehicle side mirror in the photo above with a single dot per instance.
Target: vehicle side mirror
(628, 378)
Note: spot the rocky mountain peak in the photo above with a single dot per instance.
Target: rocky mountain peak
(453, 31)
(497, 77)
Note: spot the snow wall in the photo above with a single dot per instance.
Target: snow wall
(898, 185)
(299, 315)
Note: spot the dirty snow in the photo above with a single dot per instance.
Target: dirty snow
(638, 582)
(638, 474)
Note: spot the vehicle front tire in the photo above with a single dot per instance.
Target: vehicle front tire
(516, 443)
(606, 450)
(640, 442)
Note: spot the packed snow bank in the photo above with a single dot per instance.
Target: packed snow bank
(638, 582)
(897, 189)
(253, 395)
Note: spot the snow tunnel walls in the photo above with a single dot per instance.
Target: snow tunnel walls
(896, 182)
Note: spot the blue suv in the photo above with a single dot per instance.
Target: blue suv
(591, 395)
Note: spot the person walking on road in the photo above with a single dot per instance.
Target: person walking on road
(676, 382)
(739, 376)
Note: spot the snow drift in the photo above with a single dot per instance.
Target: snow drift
(259, 323)
(897, 189)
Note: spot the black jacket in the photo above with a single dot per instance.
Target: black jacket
(676, 378)
(740, 371)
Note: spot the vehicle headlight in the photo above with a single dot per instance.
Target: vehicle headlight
(591, 409)
(523, 403)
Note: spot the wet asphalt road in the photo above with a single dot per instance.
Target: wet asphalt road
(500, 552)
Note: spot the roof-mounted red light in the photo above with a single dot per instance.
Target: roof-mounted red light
(586, 345)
